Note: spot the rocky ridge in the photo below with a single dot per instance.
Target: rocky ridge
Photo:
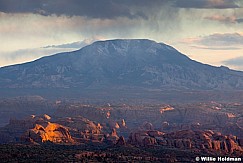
(188, 139)
(117, 64)
(42, 129)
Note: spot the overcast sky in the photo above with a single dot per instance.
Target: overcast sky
(209, 31)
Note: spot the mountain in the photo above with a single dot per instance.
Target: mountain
(117, 64)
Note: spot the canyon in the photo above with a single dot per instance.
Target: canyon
(211, 128)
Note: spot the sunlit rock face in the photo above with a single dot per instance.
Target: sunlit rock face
(35, 129)
(49, 132)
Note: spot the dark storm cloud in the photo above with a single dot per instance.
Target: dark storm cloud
(19, 6)
(76, 45)
(224, 19)
(217, 41)
(88, 8)
(207, 4)
(216, 48)
(238, 61)
(227, 39)
(239, 20)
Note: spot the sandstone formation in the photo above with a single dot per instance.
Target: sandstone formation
(188, 139)
(184, 126)
(49, 132)
(147, 126)
(113, 137)
(121, 141)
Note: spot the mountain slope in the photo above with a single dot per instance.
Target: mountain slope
(137, 63)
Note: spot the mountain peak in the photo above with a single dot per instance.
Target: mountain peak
(129, 47)
(131, 42)
(117, 63)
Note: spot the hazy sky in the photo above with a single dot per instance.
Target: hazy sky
(209, 31)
